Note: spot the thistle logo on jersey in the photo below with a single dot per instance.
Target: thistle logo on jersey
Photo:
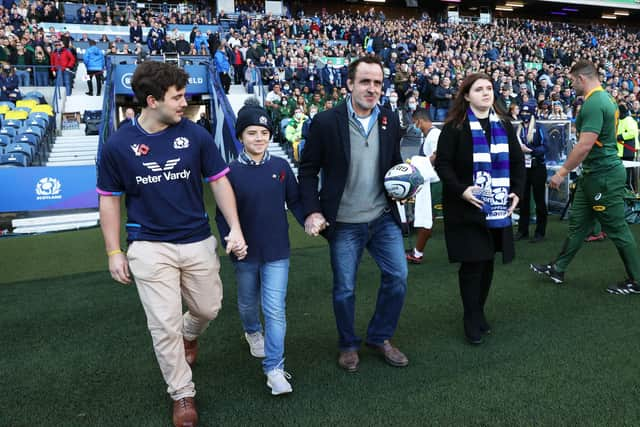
(166, 172)
(180, 143)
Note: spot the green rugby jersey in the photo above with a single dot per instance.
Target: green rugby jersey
(599, 114)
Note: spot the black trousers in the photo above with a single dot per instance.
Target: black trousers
(474, 279)
(536, 182)
(226, 81)
(98, 76)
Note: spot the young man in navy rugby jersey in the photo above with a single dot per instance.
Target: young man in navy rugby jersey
(262, 185)
(159, 163)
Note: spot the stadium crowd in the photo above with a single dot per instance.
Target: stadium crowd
(307, 57)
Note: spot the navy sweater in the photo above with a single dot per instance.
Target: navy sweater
(261, 193)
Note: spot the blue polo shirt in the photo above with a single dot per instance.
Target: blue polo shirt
(161, 175)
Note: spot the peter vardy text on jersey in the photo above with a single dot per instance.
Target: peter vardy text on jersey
(168, 176)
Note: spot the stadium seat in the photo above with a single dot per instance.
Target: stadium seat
(13, 123)
(4, 109)
(28, 138)
(8, 131)
(34, 94)
(14, 159)
(5, 140)
(39, 115)
(9, 104)
(16, 114)
(20, 147)
(27, 109)
(44, 108)
(29, 103)
(36, 121)
(35, 130)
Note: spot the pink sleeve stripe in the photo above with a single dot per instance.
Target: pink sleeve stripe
(108, 193)
(218, 175)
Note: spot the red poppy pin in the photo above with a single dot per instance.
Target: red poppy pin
(282, 175)
(384, 122)
(144, 149)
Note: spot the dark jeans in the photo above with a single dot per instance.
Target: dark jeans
(536, 181)
(383, 239)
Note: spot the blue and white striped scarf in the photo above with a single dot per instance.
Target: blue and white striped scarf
(491, 169)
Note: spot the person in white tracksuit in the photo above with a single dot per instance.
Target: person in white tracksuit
(423, 218)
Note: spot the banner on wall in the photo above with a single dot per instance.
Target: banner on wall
(48, 188)
(198, 79)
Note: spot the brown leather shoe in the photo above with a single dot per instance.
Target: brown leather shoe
(349, 360)
(190, 351)
(184, 412)
(392, 355)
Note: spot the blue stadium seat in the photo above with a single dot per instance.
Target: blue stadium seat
(20, 147)
(34, 94)
(36, 121)
(14, 123)
(9, 103)
(35, 130)
(39, 115)
(28, 138)
(8, 131)
(13, 159)
(5, 140)
(26, 109)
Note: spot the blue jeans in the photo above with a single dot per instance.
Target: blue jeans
(24, 77)
(267, 282)
(383, 239)
(42, 77)
(63, 77)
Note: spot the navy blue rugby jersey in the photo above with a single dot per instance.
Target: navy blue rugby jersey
(162, 175)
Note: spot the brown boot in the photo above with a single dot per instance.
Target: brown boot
(190, 351)
(392, 355)
(349, 360)
(184, 412)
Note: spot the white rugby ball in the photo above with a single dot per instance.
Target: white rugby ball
(403, 181)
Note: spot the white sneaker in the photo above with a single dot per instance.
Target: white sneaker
(256, 343)
(277, 381)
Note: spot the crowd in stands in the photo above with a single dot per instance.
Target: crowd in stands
(306, 57)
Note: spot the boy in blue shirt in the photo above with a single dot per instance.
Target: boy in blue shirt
(263, 184)
(159, 162)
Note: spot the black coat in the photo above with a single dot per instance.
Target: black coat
(466, 233)
(328, 148)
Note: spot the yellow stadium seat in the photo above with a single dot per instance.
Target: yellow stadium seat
(4, 109)
(16, 115)
(30, 103)
(43, 108)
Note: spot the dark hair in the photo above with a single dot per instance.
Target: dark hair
(458, 111)
(421, 114)
(584, 67)
(155, 78)
(351, 71)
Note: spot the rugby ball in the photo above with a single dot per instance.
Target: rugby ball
(403, 181)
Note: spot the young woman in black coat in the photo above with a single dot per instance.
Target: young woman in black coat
(481, 166)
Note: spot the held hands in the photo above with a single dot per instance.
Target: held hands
(315, 223)
(119, 268)
(236, 244)
(469, 196)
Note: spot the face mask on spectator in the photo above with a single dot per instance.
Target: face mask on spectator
(393, 99)
(412, 105)
(286, 88)
(297, 116)
(312, 114)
